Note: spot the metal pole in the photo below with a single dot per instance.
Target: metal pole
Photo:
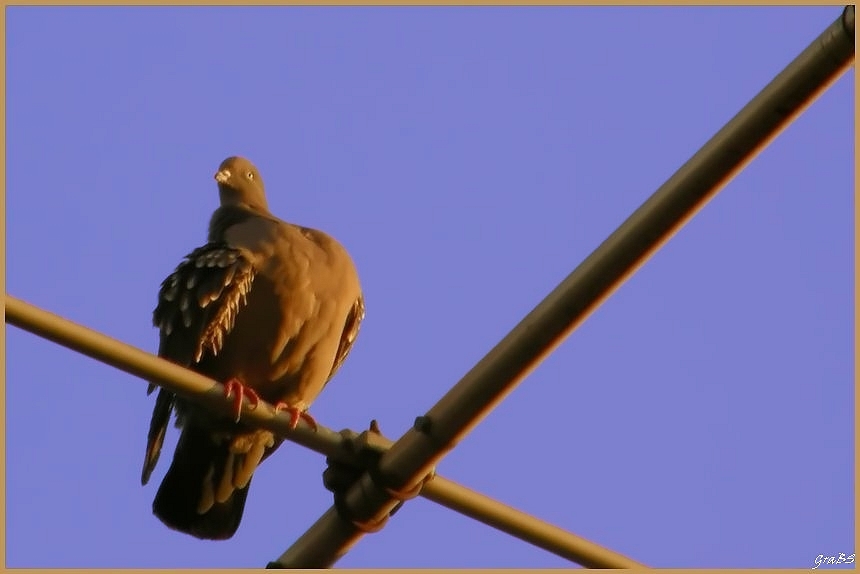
(325, 441)
(413, 456)
(169, 375)
(524, 526)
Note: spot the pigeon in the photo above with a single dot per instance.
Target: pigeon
(271, 310)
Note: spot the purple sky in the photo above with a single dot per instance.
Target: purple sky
(469, 159)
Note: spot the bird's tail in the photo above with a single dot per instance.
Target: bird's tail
(203, 493)
(157, 429)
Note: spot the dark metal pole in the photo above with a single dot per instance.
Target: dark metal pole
(412, 457)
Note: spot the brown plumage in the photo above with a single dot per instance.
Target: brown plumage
(267, 307)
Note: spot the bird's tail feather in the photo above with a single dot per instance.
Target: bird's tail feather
(157, 430)
(203, 493)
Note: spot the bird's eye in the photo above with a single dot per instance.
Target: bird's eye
(250, 175)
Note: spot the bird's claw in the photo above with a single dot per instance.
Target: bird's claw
(295, 415)
(234, 388)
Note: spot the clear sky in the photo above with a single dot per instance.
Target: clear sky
(469, 159)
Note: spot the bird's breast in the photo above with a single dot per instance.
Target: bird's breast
(285, 338)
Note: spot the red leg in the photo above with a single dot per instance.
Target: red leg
(238, 391)
(295, 415)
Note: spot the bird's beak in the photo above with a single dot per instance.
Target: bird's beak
(222, 175)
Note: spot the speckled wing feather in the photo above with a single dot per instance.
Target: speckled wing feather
(198, 302)
(197, 307)
(350, 332)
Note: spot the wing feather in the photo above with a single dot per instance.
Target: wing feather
(199, 301)
(197, 308)
(350, 332)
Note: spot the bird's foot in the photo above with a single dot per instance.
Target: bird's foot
(234, 388)
(295, 415)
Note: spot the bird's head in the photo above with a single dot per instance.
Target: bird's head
(239, 183)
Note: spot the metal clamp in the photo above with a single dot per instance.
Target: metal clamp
(366, 451)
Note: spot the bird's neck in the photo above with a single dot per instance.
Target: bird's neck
(228, 215)
(248, 199)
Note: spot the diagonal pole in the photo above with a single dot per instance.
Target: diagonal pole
(413, 456)
(210, 393)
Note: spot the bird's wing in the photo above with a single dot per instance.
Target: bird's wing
(350, 332)
(197, 307)
(198, 302)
